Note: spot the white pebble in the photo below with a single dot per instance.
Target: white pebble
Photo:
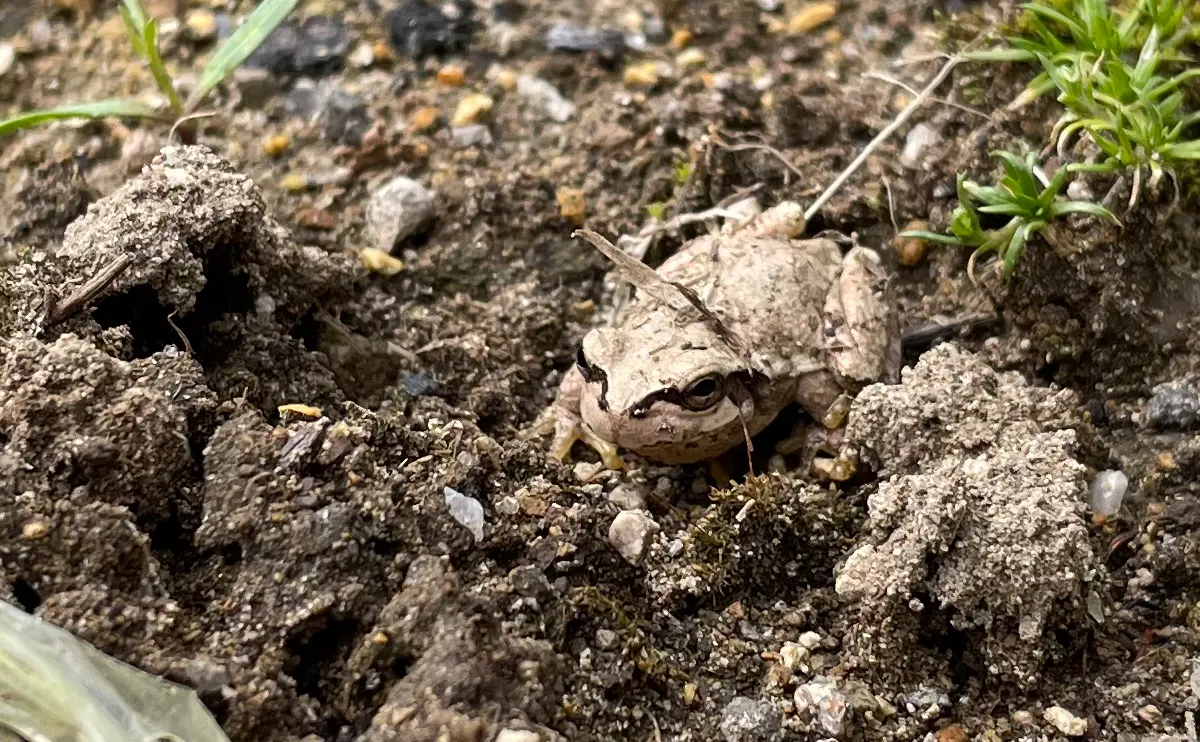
(919, 139)
(1065, 722)
(7, 57)
(517, 735)
(822, 698)
(630, 533)
(810, 640)
(466, 510)
(396, 211)
(545, 97)
(1107, 491)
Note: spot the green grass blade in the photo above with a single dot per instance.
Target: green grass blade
(1001, 55)
(162, 78)
(945, 239)
(1076, 28)
(97, 110)
(1082, 207)
(134, 31)
(241, 45)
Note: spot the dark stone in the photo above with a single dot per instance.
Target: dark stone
(508, 11)
(1174, 408)
(418, 30)
(326, 43)
(340, 117)
(420, 385)
(344, 118)
(608, 43)
(317, 45)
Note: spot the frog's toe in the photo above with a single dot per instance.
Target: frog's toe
(569, 429)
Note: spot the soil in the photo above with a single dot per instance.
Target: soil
(232, 459)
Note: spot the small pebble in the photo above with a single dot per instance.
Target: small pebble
(466, 511)
(809, 640)
(35, 529)
(586, 471)
(201, 25)
(396, 211)
(751, 720)
(319, 44)
(631, 533)
(302, 410)
(572, 205)
(642, 74)
(811, 16)
(609, 43)
(476, 135)
(822, 698)
(471, 108)
(378, 261)
(795, 656)
(1107, 491)
(420, 29)
(918, 140)
(517, 735)
(1150, 714)
(504, 77)
(294, 182)
(628, 497)
(952, 733)
(419, 385)
(545, 97)
(910, 251)
(680, 39)
(689, 58)
(276, 145)
(1174, 407)
(452, 76)
(363, 55)
(1065, 722)
(423, 118)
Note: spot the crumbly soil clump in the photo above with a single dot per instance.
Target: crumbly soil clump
(234, 456)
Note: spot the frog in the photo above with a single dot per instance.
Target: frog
(767, 320)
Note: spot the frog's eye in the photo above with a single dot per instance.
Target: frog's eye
(704, 393)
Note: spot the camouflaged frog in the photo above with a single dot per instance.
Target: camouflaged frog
(779, 320)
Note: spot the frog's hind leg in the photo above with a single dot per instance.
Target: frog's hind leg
(862, 336)
(564, 420)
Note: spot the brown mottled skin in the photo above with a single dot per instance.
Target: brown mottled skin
(665, 384)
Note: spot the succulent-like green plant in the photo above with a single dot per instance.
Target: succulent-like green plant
(143, 37)
(1024, 195)
(1089, 30)
(1135, 116)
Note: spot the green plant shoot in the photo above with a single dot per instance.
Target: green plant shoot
(1021, 196)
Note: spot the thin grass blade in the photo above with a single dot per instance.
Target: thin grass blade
(114, 107)
(1082, 207)
(134, 32)
(241, 45)
(158, 69)
(945, 239)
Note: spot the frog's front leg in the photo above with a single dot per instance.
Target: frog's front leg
(569, 426)
(862, 335)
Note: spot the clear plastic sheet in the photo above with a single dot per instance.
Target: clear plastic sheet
(57, 688)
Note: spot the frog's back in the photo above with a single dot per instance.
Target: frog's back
(770, 291)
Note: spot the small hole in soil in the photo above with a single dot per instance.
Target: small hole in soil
(231, 554)
(316, 654)
(138, 308)
(307, 330)
(26, 596)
